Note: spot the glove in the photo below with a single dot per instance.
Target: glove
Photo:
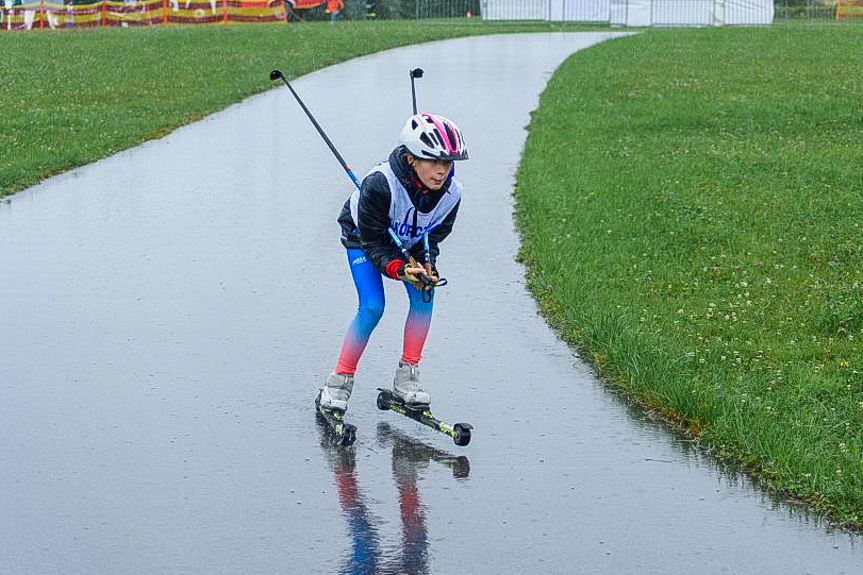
(432, 274)
(412, 276)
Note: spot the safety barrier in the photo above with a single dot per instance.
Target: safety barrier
(42, 14)
(849, 9)
(53, 14)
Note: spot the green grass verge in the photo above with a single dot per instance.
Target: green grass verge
(691, 207)
(71, 97)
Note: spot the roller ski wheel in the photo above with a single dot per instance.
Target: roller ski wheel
(385, 399)
(460, 432)
(345, 433)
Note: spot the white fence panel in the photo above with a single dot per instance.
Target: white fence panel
(515, 10)
(579, 10)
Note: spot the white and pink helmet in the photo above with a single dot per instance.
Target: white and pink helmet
(431, 137)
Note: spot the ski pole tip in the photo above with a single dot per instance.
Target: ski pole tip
(276, 74)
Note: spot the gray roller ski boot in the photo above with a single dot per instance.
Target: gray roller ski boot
(406, 385)
(337, 391)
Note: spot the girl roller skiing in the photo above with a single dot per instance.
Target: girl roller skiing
(412, 195)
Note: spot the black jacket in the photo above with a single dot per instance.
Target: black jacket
(372, 234)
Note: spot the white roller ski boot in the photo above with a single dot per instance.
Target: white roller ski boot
(337, 391)
(406, 385)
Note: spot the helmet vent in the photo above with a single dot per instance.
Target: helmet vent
(450, 135)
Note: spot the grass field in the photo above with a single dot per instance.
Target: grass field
(691, 205)
(71, 97)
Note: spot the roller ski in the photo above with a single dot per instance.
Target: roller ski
(460, 432)
(331, 404)
(409, 399)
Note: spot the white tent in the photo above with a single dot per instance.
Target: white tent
(690, 12)
(634, 12)
(556, 10)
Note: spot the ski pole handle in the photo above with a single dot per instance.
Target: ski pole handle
(415, 73)
(428, 283)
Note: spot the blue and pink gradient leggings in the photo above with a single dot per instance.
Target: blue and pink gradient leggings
(370, 289)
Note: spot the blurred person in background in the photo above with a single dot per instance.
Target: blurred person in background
(333, 9)
(9, 7)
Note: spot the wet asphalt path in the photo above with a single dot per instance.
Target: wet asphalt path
(167, 314)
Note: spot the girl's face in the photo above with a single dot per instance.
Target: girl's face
(432, 173)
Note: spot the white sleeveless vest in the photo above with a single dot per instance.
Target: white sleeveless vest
(402, 210)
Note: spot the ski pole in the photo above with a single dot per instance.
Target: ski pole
(275, 75)
(427, 257)
(415, 73)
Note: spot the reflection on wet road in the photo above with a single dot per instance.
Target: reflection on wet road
(168, 314)
(409, 459)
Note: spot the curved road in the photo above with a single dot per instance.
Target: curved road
(167, 314)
